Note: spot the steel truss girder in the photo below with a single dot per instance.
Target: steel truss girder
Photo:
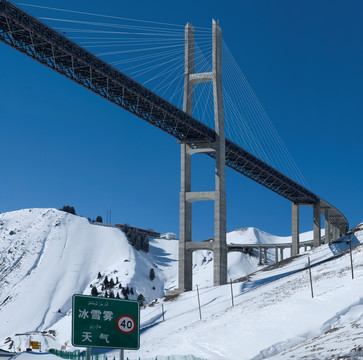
(40, 42)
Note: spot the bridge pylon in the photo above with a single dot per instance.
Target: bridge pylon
(187, 197)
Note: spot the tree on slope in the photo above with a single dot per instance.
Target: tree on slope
(94, 291)
(68, 209)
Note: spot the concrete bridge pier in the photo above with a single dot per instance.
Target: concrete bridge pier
(317, 224)
(187, 197)
(327, 227)
(281, 254)
(276, 255)
(185, 222)
(265, 256)
(335, 232)
(260, 255)
(295, 245)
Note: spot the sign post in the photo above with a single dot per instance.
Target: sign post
(105, 322)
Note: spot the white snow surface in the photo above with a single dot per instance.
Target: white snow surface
(47, 255)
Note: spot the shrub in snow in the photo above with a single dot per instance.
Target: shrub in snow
(152, 274)
(141, 299)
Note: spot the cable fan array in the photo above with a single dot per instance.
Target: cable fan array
(152, 53)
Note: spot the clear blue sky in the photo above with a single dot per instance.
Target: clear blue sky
(61, 144)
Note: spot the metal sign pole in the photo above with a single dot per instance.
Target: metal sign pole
(232, 293)
(88, 353)
(311, 280)
(351, 257)
(200, 312)
(122, 354)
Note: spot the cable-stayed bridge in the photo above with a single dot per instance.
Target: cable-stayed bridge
(47, 46)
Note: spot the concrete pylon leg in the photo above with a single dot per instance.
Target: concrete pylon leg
(260, 255)
(281, 254)
(220, 227)
(265, 255)
(340, 231)
(220, 243)
(335, 232)
(316, 221)
(276, 255)
(327, 227)
(295, 246)
(185, 223)
(185, 281)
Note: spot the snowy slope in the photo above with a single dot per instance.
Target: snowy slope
(269, 315)
(46, 256)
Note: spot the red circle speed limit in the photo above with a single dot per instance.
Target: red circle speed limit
(126, 324)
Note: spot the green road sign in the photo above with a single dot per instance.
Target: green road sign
(105, 322)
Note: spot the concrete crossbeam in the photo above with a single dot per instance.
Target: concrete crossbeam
(199, 245)
(201, 77)
(200, 196)
(201, 148)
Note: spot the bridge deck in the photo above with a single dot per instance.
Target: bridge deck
(268, 246)
(45, 45)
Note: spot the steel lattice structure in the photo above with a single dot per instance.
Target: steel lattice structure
(30, 36)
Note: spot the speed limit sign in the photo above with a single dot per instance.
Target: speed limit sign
(126, 324)
(105, 322)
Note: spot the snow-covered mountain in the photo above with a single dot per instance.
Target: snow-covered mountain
(47, 255)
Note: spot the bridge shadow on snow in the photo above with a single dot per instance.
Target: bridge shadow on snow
(342, 244)
(160, 255)
(151, 323)
(249, 285)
